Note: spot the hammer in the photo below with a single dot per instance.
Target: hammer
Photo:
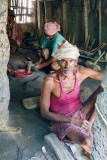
(30, 64)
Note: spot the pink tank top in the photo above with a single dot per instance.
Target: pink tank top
(68, 103)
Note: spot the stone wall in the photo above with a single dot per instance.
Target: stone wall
(4, 57)
(99, 151)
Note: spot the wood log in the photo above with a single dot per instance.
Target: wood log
(87, 42)
(57, 146)
(31, 103)
(99, 47)
(93, 59)
(93, 41)
(92, 52)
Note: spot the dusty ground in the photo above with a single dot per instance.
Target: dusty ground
(29, 142)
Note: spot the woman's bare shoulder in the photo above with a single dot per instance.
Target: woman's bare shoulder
(84, 70)
(89, 72)
(51, 77)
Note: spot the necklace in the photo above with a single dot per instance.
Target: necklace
(68, 85)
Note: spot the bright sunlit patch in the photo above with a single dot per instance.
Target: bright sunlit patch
(22, 10)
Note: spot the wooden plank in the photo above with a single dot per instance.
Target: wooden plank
(57, 146)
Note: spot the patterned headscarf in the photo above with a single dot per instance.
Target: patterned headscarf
(51, 28)
(67, 50)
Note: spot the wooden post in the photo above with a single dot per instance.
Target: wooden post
(86, 19)
(35, 8)
(38, 14)
(99, 11)
(64, 6)
(9, 3)
(45, 8)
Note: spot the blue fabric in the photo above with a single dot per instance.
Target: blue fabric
(52, 44)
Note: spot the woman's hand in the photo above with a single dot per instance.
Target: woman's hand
(85, 125)
(76, 121)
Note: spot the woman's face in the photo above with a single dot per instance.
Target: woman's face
(67, 66)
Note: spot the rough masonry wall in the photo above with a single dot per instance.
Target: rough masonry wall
(4, 57)
(99, 151)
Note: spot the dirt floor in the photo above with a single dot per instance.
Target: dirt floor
(27, 143)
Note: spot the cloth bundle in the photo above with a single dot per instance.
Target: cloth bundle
(67, 50)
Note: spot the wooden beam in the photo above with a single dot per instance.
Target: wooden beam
(86, 19)
(38, 14)
(99, 11)
(20, 7)
(9, 3)
(58, 147)
(45, 8)
(64, 6)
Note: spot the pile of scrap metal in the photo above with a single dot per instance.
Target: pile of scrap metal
(94, 56)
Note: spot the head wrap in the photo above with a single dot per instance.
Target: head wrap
(51, 28)
(10, 12)
(67, 50)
